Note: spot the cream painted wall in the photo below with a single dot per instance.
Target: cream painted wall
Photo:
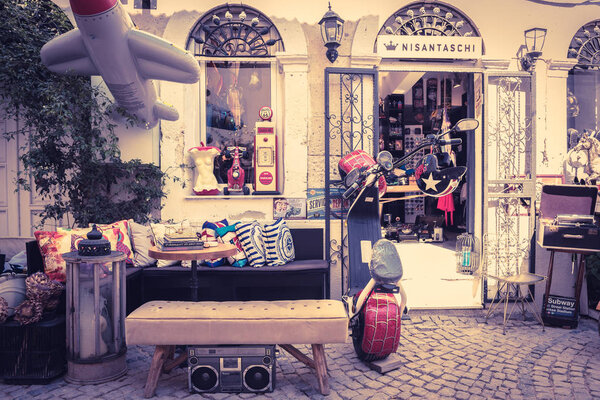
(301, 93)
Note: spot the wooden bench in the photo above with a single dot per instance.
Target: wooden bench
(165, 324)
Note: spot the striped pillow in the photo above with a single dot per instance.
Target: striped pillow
(250, 235)
(279, 244)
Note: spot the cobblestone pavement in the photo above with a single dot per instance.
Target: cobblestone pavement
(445, 354)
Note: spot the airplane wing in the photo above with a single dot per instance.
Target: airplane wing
(161, 60)
(66, 54)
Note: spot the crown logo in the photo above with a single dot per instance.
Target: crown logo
(390, 46)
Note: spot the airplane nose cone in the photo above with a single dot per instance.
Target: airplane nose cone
(87, 7)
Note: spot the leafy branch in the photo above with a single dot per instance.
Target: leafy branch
(72, 156)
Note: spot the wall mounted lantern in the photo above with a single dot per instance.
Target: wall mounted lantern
(534, 41)
(332, 29)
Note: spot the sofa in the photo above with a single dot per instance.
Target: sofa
(307, 277)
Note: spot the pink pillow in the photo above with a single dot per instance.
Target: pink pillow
(52, 245)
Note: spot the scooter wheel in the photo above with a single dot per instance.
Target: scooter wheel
(246, 190)
(358, 331)
(226, 191)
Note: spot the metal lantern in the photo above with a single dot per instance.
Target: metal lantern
(95, 317)
(467, 254)
(332, 29)
(534, 42)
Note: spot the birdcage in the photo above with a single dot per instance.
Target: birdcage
(467, 254)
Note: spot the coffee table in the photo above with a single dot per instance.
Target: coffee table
(208, 253)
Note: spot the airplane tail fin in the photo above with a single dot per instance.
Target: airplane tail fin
(164, 111)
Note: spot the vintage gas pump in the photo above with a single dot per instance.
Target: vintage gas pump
(265, 154)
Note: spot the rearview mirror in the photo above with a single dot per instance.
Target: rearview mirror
(386, 160)
(466, 124)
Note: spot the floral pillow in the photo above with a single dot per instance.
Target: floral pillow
(52, 245)
(123, 239)
(279, 244)
(227, 235)
(209, 234)
(250, 235)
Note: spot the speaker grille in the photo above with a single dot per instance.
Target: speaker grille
(204, 378)
(257, 378)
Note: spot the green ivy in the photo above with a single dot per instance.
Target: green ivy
(72, 155)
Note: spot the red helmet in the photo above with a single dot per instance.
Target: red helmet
(358, 159)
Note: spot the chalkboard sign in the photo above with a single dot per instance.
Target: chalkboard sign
(560, 307)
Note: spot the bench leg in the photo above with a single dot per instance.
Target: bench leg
(160, 355)
(298, 354)
(321, 368)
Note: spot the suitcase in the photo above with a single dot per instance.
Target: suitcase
(573, 200)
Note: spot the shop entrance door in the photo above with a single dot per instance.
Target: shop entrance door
(351, 123)
(509, 175)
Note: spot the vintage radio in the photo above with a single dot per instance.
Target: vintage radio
(566, 219)
(234, 369)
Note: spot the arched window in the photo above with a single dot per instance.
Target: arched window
(235, 46)
(431, 19)
(583, 108)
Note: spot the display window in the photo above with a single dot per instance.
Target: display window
(235, 46)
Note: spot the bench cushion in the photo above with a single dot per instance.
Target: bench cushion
(238, 322)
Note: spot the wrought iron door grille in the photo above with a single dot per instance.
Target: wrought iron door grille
(351, 123)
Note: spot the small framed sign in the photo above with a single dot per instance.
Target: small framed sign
(561, 307)
(289, 208)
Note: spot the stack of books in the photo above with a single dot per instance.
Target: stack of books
(179, 242)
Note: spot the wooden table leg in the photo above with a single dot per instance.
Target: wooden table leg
(194, 283)
(160, 354)
(321, 368)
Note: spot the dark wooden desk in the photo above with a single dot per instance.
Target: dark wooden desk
(208, 253)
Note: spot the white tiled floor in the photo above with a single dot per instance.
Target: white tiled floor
(430, 278)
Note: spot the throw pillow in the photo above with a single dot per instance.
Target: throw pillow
(209, 234)
(123, 241)
(250, 235)
(279, 244)
(52, 245)
(227, 235)
(141, 240)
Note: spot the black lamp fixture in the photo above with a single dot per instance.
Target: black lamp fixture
(332, 29)
(534, 41)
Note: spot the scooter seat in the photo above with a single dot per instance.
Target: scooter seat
(385, 265)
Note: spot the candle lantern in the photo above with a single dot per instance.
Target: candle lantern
(95, 312)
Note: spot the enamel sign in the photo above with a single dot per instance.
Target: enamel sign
(451, 47)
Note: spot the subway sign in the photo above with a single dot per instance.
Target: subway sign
(449, 47)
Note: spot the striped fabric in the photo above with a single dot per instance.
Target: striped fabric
(227, 235)
(279, 244)
(250, 235)
(209, 234)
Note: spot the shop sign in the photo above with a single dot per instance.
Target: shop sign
(454, 47)
(315, 203)
(562, 307)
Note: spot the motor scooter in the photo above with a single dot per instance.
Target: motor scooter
(375, 268)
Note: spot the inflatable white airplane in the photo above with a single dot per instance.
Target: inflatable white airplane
(108, 44)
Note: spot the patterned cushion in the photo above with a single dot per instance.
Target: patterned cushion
(209, 234)
(123, 239)
(278, 243)
(250, 235)
(52, 246)
(227, 235)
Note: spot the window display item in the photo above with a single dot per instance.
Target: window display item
(231, 369)
(250, 235)
(279, 244)
(204, 157)
(265, 155)
(235, 174)
(107, 43)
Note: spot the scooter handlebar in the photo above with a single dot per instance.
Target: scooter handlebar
(350, 191)
(451, 142)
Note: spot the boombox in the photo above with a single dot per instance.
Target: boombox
(243, 368)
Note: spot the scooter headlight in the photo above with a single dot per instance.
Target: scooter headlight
(386, 160)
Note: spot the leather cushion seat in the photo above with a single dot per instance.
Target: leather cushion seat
(238, 322)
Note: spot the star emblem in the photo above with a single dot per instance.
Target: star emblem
(431, 183)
